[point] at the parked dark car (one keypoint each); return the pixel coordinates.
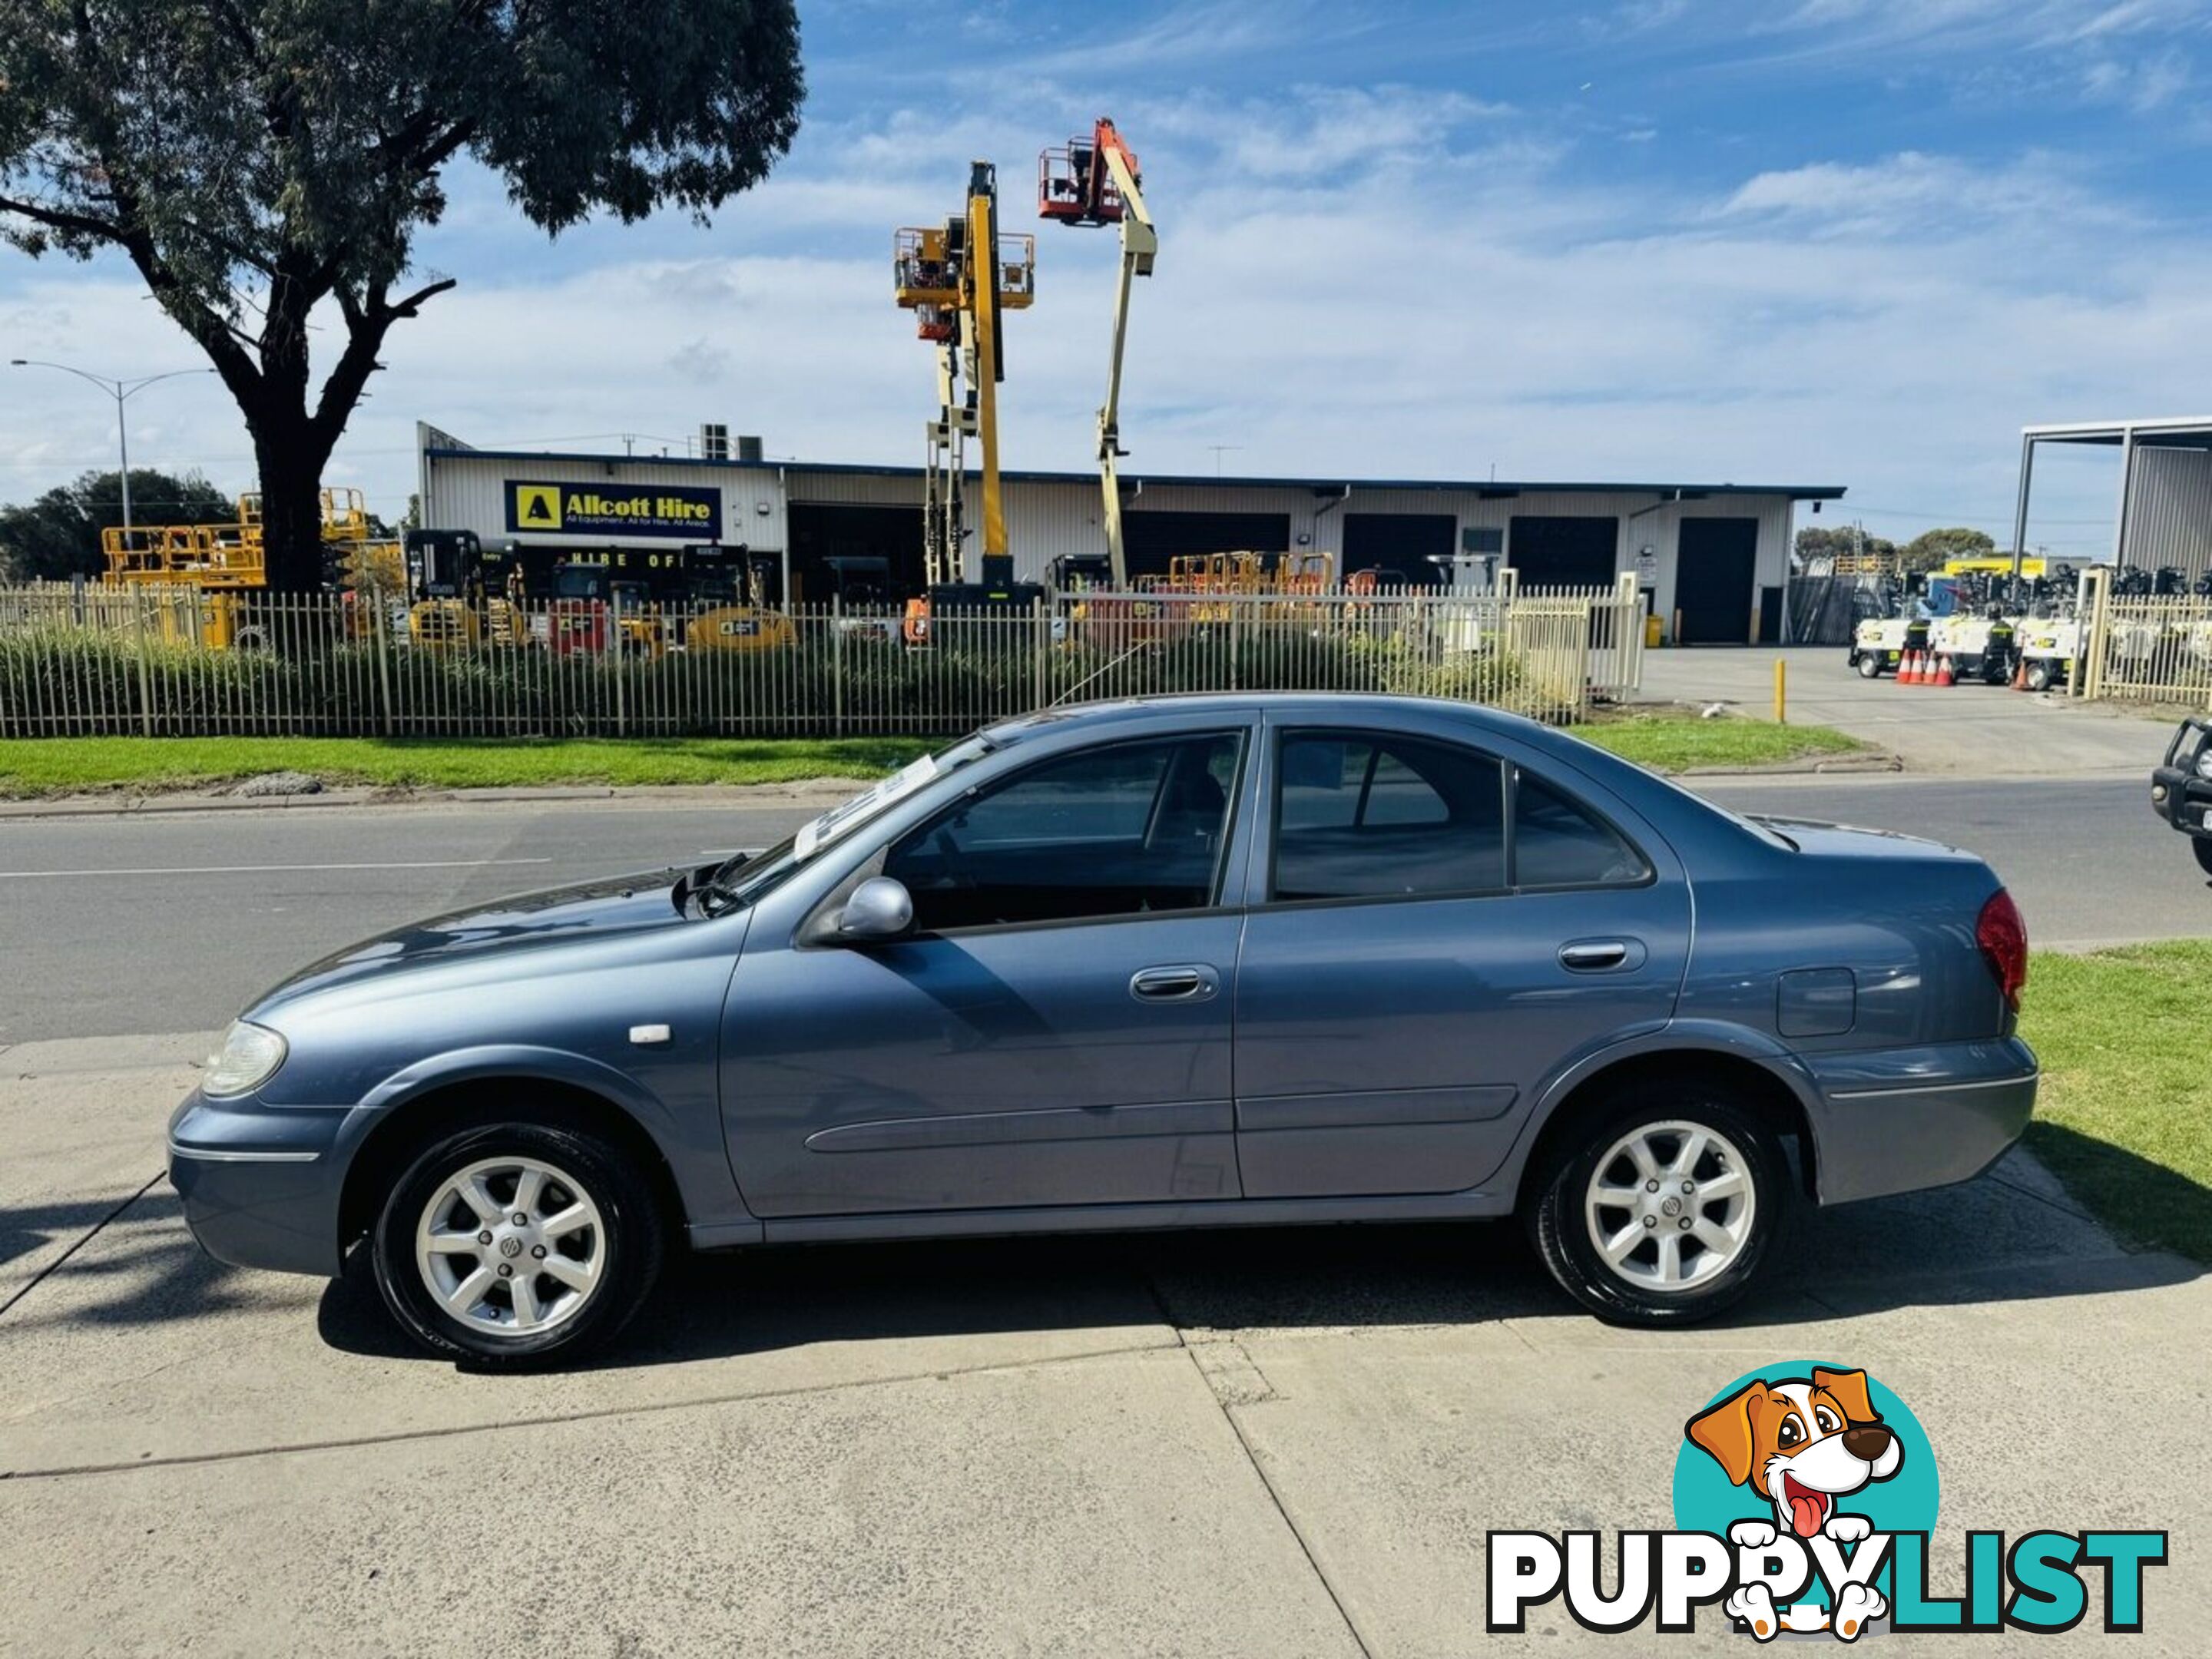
(2181, 786)
(1201, 960)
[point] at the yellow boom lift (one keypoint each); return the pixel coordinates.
(959, 278)
(1095, 181)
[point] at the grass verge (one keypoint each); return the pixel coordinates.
(62, 766)
(2124, 1115)
(1667, 740)
(1678, 740)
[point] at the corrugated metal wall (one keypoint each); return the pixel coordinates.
(1047, 517)
(2170, 510)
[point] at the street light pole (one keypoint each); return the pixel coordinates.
(120, 390)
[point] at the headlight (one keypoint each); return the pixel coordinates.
(2204, 762)
(249, 1057)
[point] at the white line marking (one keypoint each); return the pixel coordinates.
(265, 869)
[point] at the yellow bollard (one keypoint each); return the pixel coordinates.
(1781, 692)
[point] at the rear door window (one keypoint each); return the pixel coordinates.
(1558, 842)
(1361, 816)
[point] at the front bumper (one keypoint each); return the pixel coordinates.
(1903, 1120)
(2183, 799)
(2178, 793)
(260, 1185)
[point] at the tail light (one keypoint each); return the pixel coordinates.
(2002, 937)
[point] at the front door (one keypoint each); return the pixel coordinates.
(1417, 971)
(1056, 1031)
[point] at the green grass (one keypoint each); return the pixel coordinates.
(1677, 740)
(61, 766)
(1667, 740)
(2124, 1115)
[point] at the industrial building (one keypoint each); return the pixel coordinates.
(1714, 559)
(2165, 488)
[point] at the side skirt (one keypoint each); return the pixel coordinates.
(1107, 1218)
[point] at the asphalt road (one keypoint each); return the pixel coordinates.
(172, 922)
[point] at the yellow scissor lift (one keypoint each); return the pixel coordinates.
(201, 571)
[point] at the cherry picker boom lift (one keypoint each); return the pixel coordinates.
(1096, 182)
(959, 279)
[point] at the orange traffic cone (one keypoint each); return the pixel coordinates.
(1943, 674)
(1908, 669)
(2020, 673)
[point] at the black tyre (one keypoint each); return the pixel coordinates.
(2041, 673)
(1665, 1207)
(517, 1245)
(2202, 846)
(1869, 665)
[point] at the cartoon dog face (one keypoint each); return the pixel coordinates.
(1802, 1443)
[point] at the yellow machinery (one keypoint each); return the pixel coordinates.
(218, 562)
(739, 627)
(1096, 182)
(458, 595)
(957, 296)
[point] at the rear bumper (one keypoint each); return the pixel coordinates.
(1901, 1120)
(260, 1186)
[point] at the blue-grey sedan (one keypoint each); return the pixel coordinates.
(1194, 962)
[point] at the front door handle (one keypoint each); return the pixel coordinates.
(1183, 982)
(1594, 956)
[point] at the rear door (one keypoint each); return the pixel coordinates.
(1436, 929)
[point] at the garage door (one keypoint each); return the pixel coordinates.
(1406, 546)
(1563, 551)
(834, 530)
(1713, 600)
(1150, 539)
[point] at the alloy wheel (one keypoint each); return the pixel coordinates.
(1670, 1205)
(511, 1246)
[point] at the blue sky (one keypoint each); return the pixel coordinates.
(1851, 242)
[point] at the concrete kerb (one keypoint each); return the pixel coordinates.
(826, 792)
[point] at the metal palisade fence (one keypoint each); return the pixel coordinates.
(166, 659)
(2142, 649)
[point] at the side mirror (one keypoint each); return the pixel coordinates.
(880, 909)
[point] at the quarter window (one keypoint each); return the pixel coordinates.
(1137, 827)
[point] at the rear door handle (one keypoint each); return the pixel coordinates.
(1183, 982)
(1595, 956)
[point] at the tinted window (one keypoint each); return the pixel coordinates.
(1556, 844)
(1371, 818)
(1107, 832)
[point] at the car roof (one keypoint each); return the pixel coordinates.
(1331, 706)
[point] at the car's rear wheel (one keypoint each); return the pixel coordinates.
(2039, 674)
(517, 1244)
(1665, 1208)
(1869, 665)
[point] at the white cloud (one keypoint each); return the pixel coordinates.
(1443, 293)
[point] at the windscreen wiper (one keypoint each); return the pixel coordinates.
(711, 882)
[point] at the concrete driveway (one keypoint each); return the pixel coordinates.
(1977, 731)
(1272, 1443)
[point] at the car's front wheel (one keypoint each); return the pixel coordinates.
(2202, 846)
(1665, 1208)
(517, 1244)
(1870, 665)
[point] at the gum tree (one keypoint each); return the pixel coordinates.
(263, 165)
